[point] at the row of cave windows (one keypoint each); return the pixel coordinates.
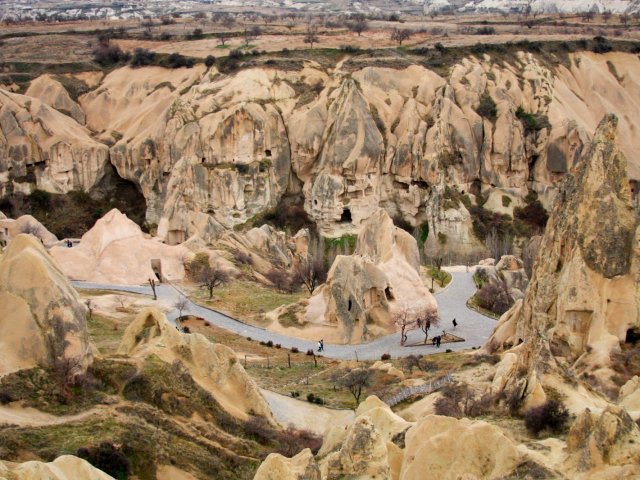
(267, 153)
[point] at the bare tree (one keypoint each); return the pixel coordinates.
(499, 244)
(222, 38)
(406, 319)
(152, 283)
(280, 279)
(400, 35)
(606, 16)
(429, 319)
(212, 277)
(89, 305)
(182, 305)
(311, 35)
(251, 34)
(358, 26)
(311, 271)
(356, 381)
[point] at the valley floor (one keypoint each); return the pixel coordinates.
(472, 326)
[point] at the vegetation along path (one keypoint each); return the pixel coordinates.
(472, 326)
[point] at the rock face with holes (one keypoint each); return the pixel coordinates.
(211, 151)
(213, 366)
(366, 291)
(42, 318)
(40, 146)
(584, 295)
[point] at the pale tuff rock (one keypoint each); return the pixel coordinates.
(42, 318)
(210, 151)
(509, 272)
(364, 291)
(301, 467)
(116, 250)
(449, 448)
(9, 228)
(41, 146)
(52, 93)
(363, 454)
(584, 293)
(66, 467)
(213, 366)
(604, 441)
(629, 395)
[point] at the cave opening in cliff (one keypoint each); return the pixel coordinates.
(346, 216)
(633, 336)
(388, 293)
(267, 153)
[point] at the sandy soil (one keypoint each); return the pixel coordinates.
(304, 415)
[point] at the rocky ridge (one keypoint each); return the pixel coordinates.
(210, 151)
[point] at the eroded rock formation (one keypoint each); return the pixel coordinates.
(42, 318)
(210, 151)
(66, 467)
(584, 295)
(366, 291)
(214, 367)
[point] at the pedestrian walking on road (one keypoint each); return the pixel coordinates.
(321, 345)
(455, 324)
(434, 340)
(438, 340)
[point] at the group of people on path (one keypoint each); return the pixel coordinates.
(321, 345)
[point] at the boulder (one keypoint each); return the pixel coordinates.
(213, 366)
(66, 467)
(363, 454)
(42, 318)
(9, 228)
(277, 467)
(608, 439)
(449, 448)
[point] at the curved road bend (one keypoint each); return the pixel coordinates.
(472, 326)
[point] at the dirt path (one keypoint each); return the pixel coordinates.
(472, 326)
(304, 415)
(30, 417)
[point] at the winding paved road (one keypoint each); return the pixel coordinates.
(472, 326)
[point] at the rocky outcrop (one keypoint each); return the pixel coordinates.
(213, 366)
(51, 92)
(42, 318)
(608, 441)
(449, 448)
(364, 292)
(42, 147)
(300, 467)
(508, 275)
(9, 228)
(584, 294)
(381, 445)
(66, 467)
(116, 251)
(210, 151)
